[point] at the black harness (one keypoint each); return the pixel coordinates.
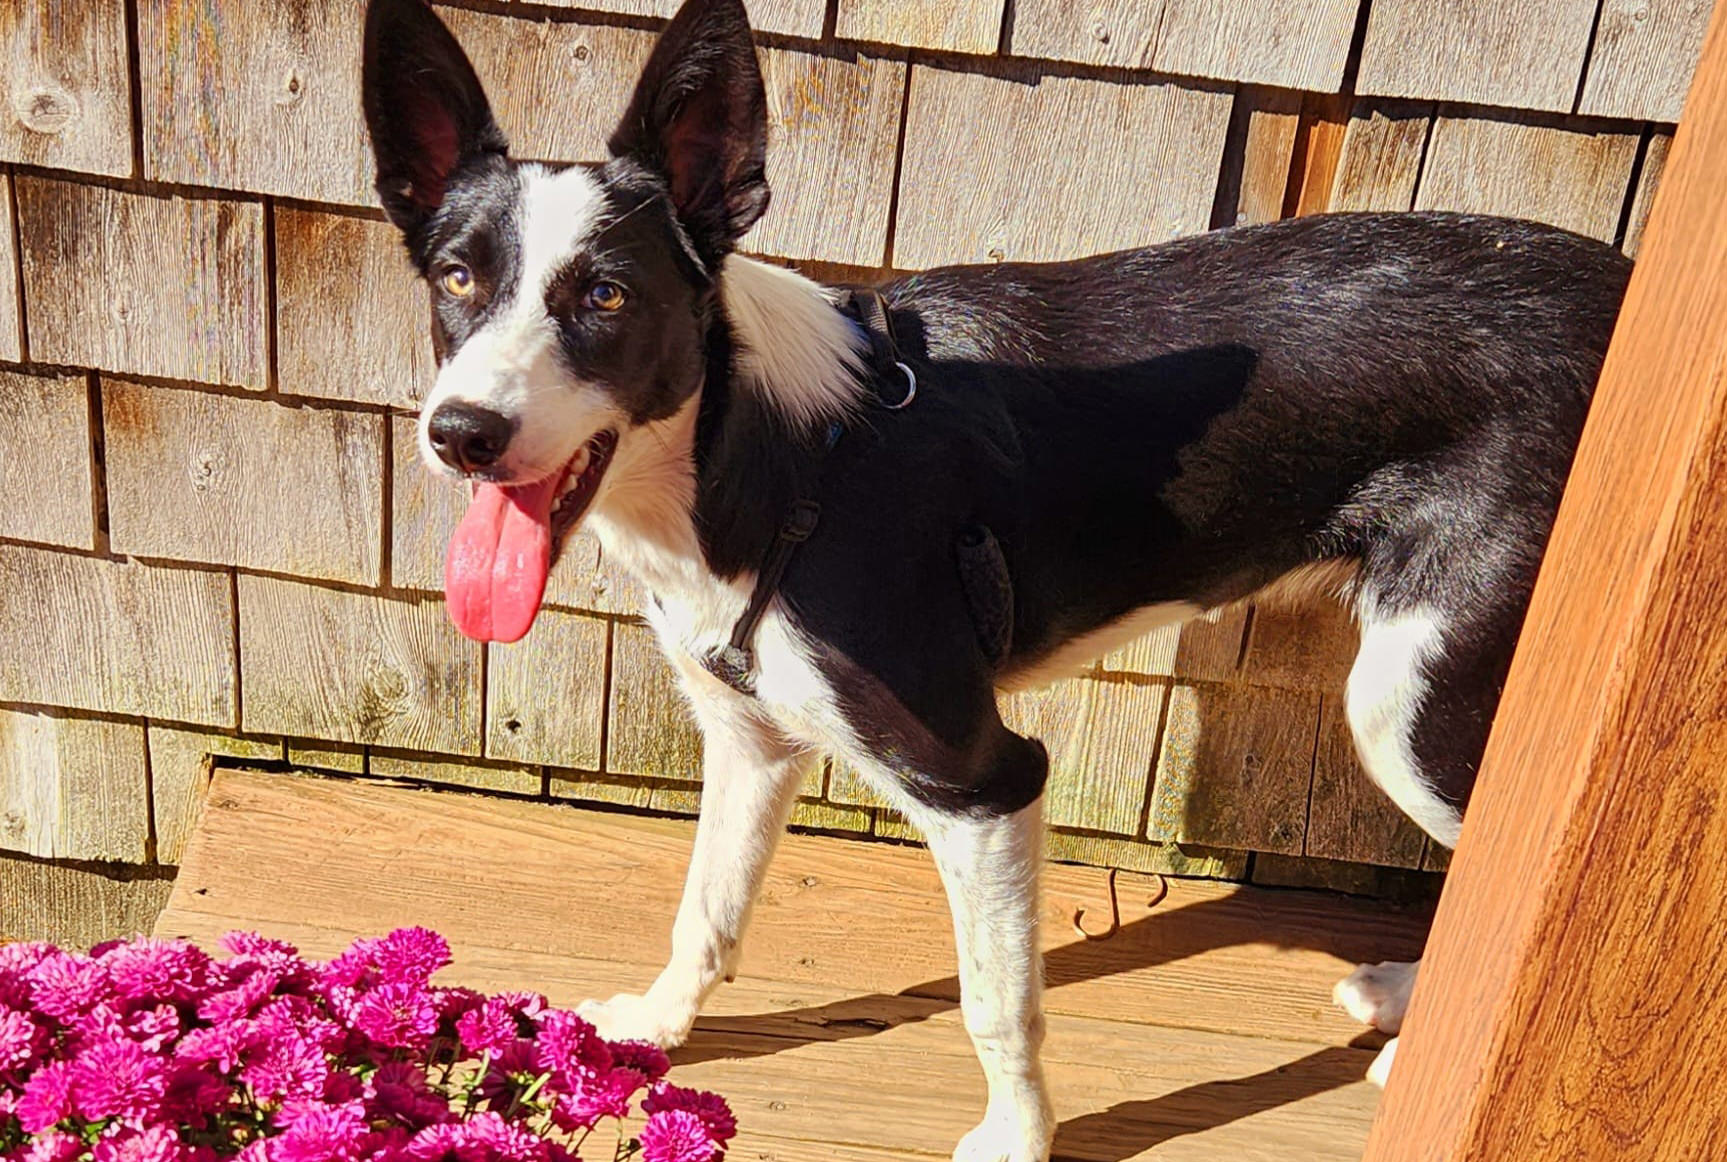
(735, 662)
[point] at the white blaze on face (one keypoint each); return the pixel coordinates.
(511, 365)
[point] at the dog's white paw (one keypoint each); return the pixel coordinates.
(1007, 1135)
(629, 1017)
(1377, 994)
(1381, 1067)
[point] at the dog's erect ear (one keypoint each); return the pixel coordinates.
(699, 118)
(425, 110)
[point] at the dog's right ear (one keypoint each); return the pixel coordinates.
(425, 109)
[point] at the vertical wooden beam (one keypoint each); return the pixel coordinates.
(1570, 1003)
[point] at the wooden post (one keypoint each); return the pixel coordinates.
(1573, 1004)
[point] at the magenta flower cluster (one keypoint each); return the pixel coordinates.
(153, 1051)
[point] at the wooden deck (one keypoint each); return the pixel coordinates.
(1202, 1030)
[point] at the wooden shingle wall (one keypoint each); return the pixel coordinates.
(215, 538)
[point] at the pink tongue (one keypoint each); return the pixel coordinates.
(495, 573)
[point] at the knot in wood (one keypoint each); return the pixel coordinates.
(293, 89)
(1100, 32)
(582, 52)
(45, 108)
(203, 471)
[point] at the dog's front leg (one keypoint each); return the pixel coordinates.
(990, 867)
(750, 777)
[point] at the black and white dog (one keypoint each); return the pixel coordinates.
(1385, 404)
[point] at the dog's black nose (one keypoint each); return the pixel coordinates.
(469, 438)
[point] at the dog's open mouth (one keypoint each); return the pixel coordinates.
(499, 558)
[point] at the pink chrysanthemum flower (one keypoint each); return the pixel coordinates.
(241, 1000)
(398, 1092)
(218, 1045)
(569, 1048)
(503, 1139)
(711, 1108)
(314, 1132)
(284, 1065)
(596, 1099)
(47, 1097)
(52, 1146)
(21, 1041)
(118, 1079)
(156, 1144)
(411, 954)
(154, 1029)
(25, 955)
(66, 986)
(193, 1095)
(156, 970)
(491, 1028)
(677, 1136)
(398, 1015)
(644, 1057)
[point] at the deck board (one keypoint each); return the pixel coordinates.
(1201, 1030)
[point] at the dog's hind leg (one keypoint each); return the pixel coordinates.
(1420, 701)
(750, 777)
(989, 865)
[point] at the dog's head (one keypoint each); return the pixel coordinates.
(569, 306)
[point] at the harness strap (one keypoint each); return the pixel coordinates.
(735, 662)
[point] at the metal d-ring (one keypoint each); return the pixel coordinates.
(910, 388)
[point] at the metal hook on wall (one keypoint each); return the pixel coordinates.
(1115, 907)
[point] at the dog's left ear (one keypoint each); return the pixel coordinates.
(699, 119)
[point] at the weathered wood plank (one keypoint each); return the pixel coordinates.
(77, 907)
(259, 95)
(347, 757)
(650, 730)
(45, 459)
(1404, 885)
(427, 508)
(1263, 130)
(72, 788)
(1525, 168)
(1348, 818)
(356, 668)
(1154, 858)
(1645, 52)
(588, 787)
(1528, 55)
(1648, 182)
(791, 17)
(231, 481)
(1207, 956)
(1380, 160)
(546, 694)
(1139, 165)
(115, 636)
(180, 765)
(1295, 44)
(515, 778)
(1102, 741)
(557, 88)
(1319, 151)
(351, 315)
(1235, 768)
(11, 321)
(1205, 649)
(1306, 648)
(955, 25)
(144, 285)
(833, 137)
(65, 93)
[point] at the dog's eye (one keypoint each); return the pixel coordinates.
(604, 296)
(458, 281)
